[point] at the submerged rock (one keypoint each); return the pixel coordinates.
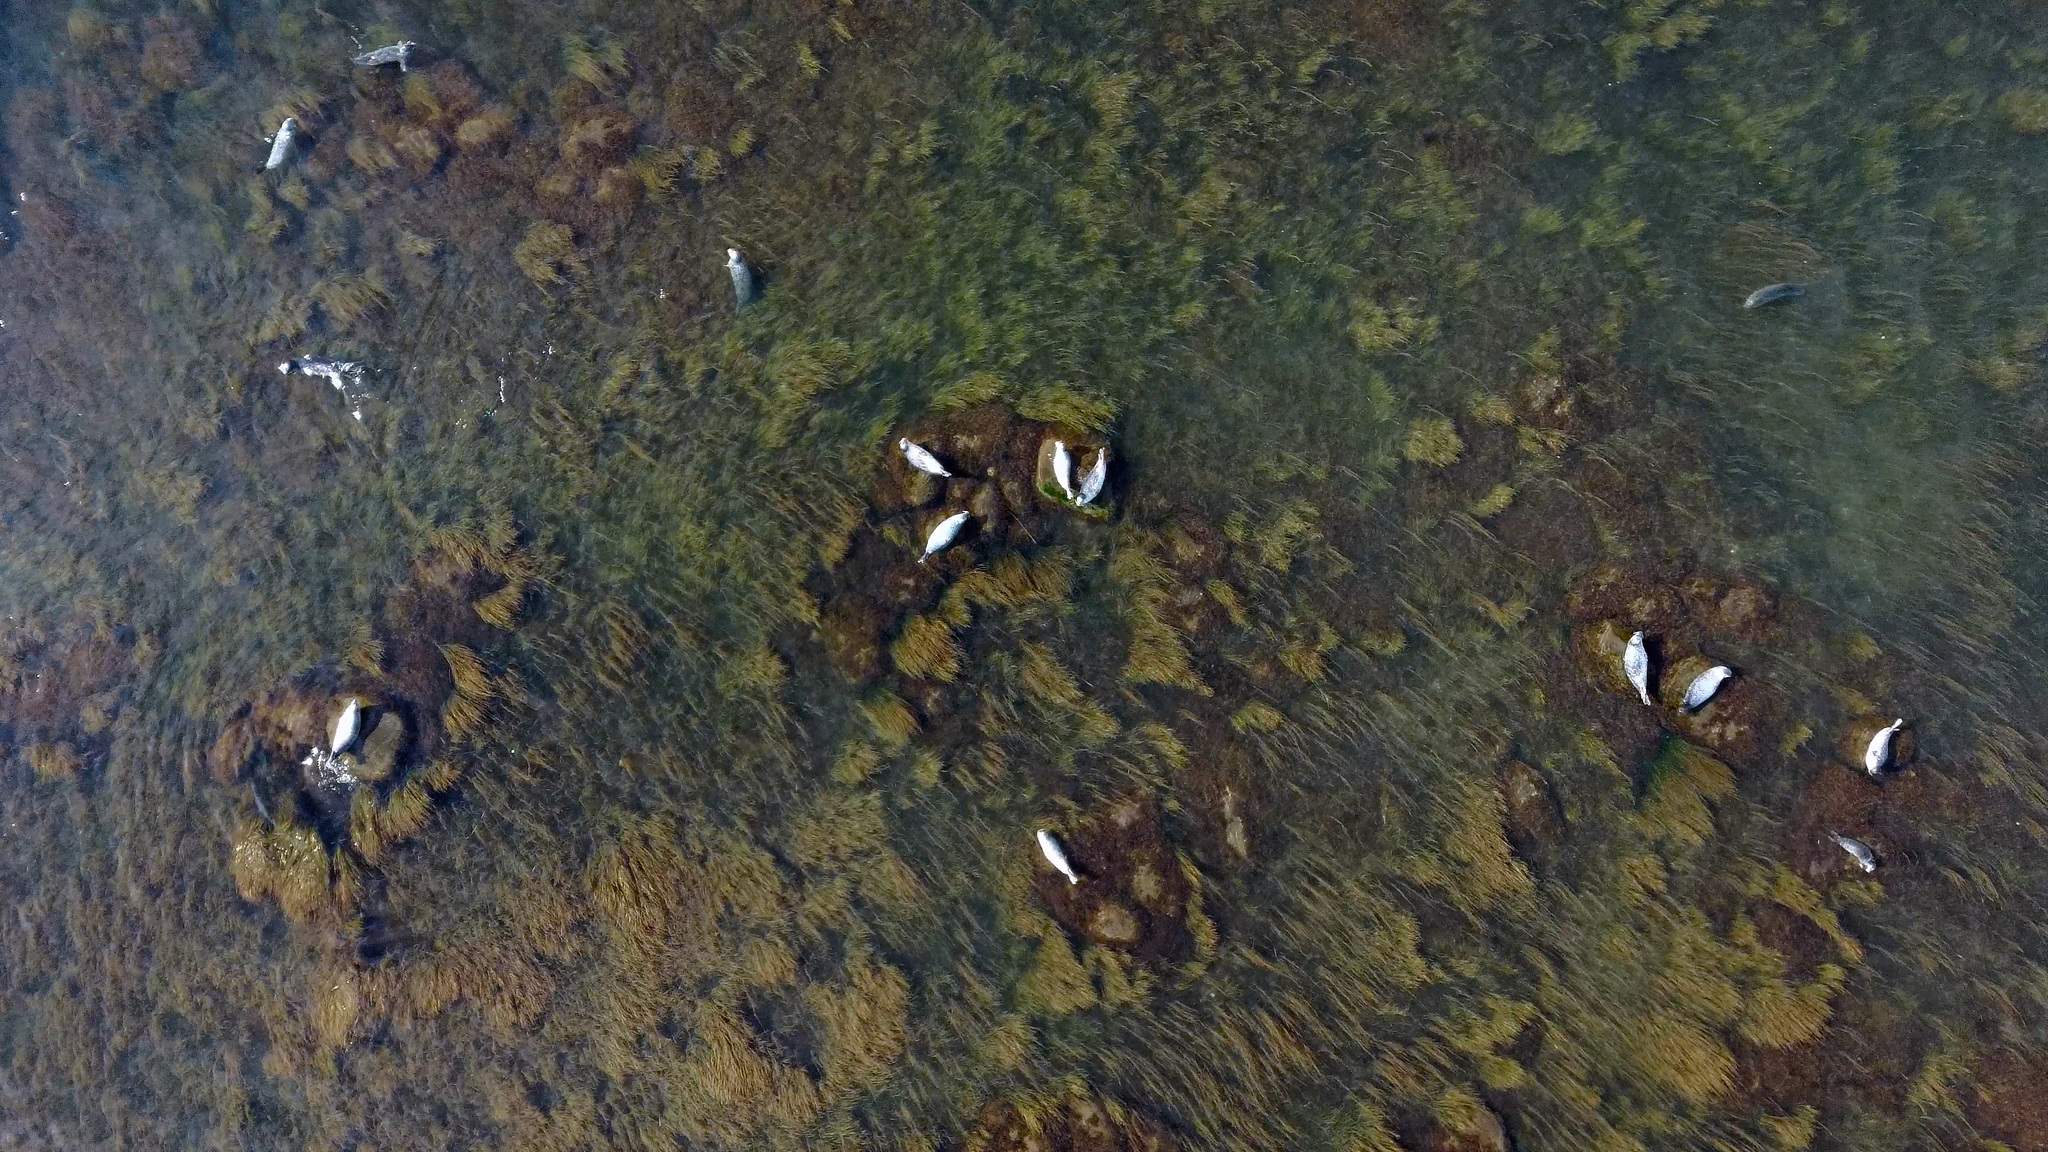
(1234, 833)
(53, 761)
(1078, 1123)
(1135, 895)
(986, 503)
(992, 456)
(1484, 1132)
(922, 489)
(289, 717)
(1114, 925)
(1732, 722)
(1745, 607)
(851, 629)
(380, 750)
(231, 749)
(2006, 1097)
(1610, 591)
(1530, 807)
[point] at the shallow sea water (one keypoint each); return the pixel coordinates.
(691, 811)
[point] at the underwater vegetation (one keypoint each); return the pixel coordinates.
(691, 810)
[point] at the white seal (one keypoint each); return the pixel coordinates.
(1704, 686)
(1635, 664)
(1056, 856)
(1091, 485)
(920, 459)
(399, 54)
(281, 144)
(1865, 858)
(742, 277)
(345, 726)
(1879, 753)
(943, 534)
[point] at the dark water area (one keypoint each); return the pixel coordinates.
(466, 682)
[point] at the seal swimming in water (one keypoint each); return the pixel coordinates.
(282, 144)
(743, 288)
(399, 54)
(1773, 294)
(330, 770)
(345, 726)
(340, 373)
(1866, 859)
(335, 372)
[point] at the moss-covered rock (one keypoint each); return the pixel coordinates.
(380, 749)
(1081, 452)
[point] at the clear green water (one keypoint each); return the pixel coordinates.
(705, 816)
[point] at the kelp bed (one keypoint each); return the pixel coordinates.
(694, 813)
